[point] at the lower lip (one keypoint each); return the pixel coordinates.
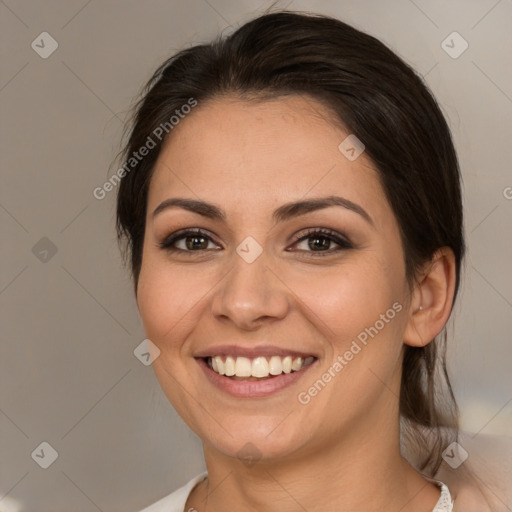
(253, 388)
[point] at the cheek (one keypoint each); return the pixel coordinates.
(347, 299)
(161, 299)
(169, 298)
(166, 305)
(359, 312)
(151, 301)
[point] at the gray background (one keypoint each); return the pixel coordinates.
(68, 374)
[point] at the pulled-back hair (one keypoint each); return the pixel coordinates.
(375, 95)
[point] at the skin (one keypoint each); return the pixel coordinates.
(339, 451)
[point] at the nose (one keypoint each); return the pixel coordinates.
(250, 294)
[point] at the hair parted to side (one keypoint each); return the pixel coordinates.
(376, 96)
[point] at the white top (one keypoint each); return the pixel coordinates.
(176, 501)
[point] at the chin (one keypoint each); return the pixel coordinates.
(254, 438)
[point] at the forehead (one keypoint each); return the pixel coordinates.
(263, 153)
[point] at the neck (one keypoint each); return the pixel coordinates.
(363, 471)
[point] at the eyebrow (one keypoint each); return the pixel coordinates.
(281, 214)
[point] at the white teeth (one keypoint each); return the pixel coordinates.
(243, 367)
(275, 365)
(260, 367)
(219, 364)
(297, 364)
(229, 366)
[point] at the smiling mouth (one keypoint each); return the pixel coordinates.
(258, 368)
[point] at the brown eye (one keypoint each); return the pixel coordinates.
(195, 242)
(319, 241)
(186, 241)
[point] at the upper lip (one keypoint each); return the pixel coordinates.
(251, 352)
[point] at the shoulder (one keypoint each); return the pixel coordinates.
(483, 481)
(176, 501)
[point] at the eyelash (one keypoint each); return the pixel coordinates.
(342, 242)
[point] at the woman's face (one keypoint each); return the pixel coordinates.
(259, 283)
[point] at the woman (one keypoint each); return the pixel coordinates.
(292, 210)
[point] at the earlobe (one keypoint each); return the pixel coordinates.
(432, 299)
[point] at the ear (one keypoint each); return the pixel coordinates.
(432, 299)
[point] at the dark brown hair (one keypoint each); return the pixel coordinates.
(376, 96)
